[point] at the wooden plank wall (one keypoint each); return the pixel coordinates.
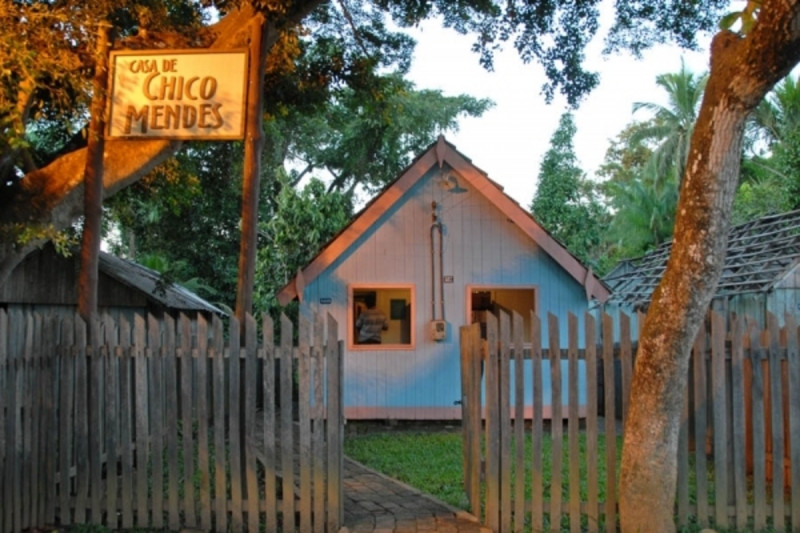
(165, 423)
(736, 467)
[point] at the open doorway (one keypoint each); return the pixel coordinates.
(484, 300)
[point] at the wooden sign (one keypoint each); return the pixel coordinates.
(177, 94)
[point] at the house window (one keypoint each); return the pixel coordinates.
(381, 315)
(485, 300)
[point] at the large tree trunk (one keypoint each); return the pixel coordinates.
(742, 72)
(53, 196)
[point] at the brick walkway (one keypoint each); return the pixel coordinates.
(376, 503)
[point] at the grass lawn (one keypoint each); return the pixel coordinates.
(427, 460)
(430, 460)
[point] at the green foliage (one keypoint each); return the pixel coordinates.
(365, 140)
(670, 127)
(770, 180)
(187, 214)
(48, 53)
(746, 18)
(23, 234)
(645, 165)
(644, 215)
(303, 220)
(565, 202)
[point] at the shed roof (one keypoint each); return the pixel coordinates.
(760, 254)
(151, 283)
(439, 153)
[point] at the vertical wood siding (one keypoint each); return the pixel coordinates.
(481, 246)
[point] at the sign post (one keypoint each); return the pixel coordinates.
(93, 184)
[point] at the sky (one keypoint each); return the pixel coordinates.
(509, 141)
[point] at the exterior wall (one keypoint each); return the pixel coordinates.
(480, 247)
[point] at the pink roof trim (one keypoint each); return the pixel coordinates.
(444, 152)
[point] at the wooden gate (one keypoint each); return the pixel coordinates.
(169, 424)
(736, 464)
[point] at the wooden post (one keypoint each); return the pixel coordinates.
(93, 181)
(254, 140)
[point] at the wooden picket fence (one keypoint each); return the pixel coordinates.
(737, 467)
(164, 423)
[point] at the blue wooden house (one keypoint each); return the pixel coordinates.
(438, 248)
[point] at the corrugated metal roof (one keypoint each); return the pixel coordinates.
(760, 253)
(151, 283)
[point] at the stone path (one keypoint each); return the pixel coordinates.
(376, 503)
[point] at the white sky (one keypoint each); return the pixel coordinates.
(509, 141)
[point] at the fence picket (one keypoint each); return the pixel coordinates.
(573, 426)
(65, 428)
(82, 425)
(5, 454)
(112, 415)
(334, 354)
(202, 406)
(793, 363)
(171, 436)
(304, 421)
(776, 395)
(250, 396)
(286, 426)
(220, 480)
(519, 423)
(504, 397)
(141, 395)
(492, 442)
(758, 432)
(29, 415)
(719, 402)
(186, 409)
(556, 421)
(270, 485)
(610, 422)
(156, 356)
(537, 423)
(126, 439)
(318, 427)
(625, 361)
(234, 426)
(592, 489)
(49, 392)
(700, 408)
(739, 423)
(682, 487)
(471, 412)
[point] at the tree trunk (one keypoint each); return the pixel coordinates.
(742, 72)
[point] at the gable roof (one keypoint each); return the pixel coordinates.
(439, 153)
(760, 254)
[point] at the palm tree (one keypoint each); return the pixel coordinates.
(670, 127)
(773, 137)
(645, 213)
(779, 113)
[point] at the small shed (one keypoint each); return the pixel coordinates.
(440, 247)
(47, 282)
(761, 273)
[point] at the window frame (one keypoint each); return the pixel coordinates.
(353, 288)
